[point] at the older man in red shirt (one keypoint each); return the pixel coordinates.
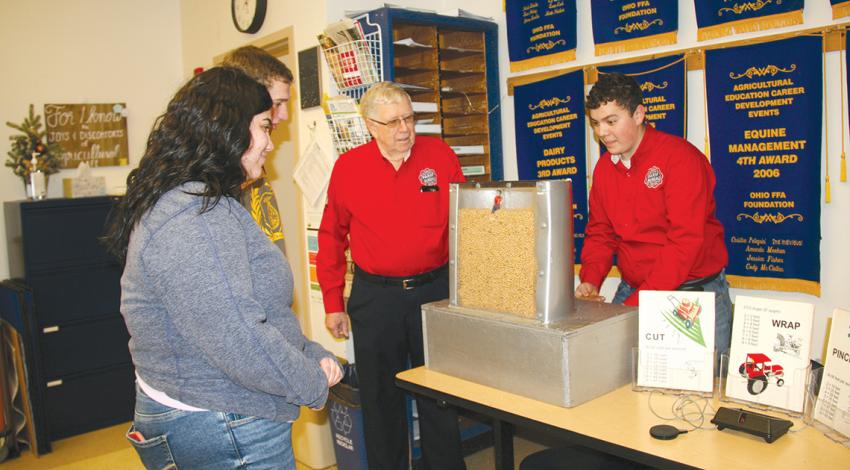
(388, 200)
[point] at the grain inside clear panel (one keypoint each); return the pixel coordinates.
(497, 265)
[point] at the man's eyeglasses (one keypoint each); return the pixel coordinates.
(396, 123)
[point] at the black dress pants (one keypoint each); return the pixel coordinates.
(386, 321)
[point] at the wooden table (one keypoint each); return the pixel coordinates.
(618, 423)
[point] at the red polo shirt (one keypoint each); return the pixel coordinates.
(395, 227)
(658, 217)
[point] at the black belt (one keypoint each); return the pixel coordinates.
(696, 284)
(406, 282)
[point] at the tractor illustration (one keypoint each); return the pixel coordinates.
(685, 309)
(758, 369)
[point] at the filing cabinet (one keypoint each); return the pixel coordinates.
(81, 377)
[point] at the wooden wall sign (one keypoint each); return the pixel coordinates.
(95, 133)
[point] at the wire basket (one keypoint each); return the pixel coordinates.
(355, 64)
(348, 132)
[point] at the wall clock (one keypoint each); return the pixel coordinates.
(248, 15)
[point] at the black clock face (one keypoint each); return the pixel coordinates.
(248, 15)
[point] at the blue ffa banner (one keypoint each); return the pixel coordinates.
(765, 106)
(540, 32)
(664, 83)
(717, 18)
(840, 8)
(550, 138)
(621, 26)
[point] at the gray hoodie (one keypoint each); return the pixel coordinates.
(206, 298)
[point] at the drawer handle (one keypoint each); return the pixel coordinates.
(50, 329)
(54, 383)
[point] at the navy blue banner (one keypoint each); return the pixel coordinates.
(716, 18)
(540, 32)
(621, 26)
(550, 138)
(664, 83)
(765, 104)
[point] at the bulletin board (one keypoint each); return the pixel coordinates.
(308, 78)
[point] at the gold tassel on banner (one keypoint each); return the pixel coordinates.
(543, 61)
(843, 162)
(773, 283)
(707, 150)
(840, 10)
(616, 47)
(750, 25)
(827, 189)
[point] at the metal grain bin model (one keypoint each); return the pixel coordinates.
(512, 321)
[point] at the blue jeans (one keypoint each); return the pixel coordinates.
(175, 439)
(722, 310)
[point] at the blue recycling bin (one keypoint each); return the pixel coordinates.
(346, 417)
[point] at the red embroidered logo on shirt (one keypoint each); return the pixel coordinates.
(428, 177)
(653, 178)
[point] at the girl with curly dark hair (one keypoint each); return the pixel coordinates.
(221, 364)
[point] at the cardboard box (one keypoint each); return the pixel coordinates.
(84, 186)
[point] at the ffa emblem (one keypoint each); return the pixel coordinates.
(653, 178)
(428, 177)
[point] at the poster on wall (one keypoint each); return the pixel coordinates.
(676, 340)
(768, 160)
(664, 83)
(628, 26)
(833, 405)
(95, 133)
(718, 18)
(769, 358)
(550, 138)
(540, 33)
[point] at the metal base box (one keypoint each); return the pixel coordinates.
(565, 363)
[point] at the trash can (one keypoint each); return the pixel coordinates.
(346, 417)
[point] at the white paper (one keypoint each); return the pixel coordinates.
(769, 358)
(464, 14)
(312, 173)
(468, 149)
(461, 49)
(342, 105)
(424, 107)
(473, 170)
(833, 405)
(676, 340)
(411, 43)
(428, 128)
(411, 87)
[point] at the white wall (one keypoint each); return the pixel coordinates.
(87, 51)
